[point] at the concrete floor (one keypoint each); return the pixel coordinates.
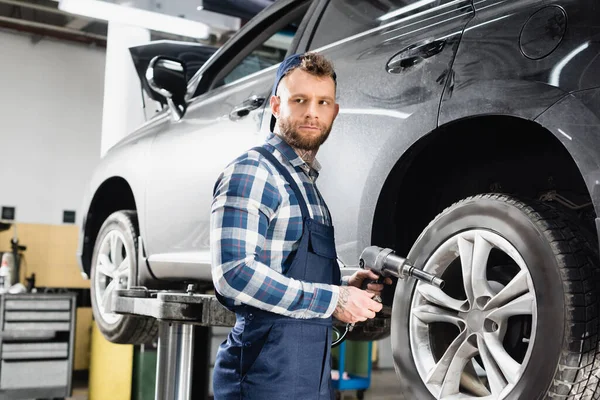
(384, 386)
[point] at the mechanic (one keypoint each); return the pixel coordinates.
(273, 250)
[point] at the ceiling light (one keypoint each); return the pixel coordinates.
(133, 16)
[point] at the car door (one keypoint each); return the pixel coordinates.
(393, 59)
(221, 122)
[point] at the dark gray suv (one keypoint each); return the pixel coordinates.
(468, 139)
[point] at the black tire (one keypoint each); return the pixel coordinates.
(125, 329)
(563, 266)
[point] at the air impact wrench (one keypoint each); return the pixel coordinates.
(385, 263)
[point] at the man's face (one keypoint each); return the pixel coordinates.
(305, 109)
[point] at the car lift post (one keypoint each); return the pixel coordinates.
(183, 362)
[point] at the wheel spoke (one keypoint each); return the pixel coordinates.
(516, 287)
(437, 296)
(438, 373)
(105, 267)
(522, 305)
(465, 249)
(430, 313)
(509, 367)
(107, 295)
(464, 353)
(115, 249)
(481, 252)
(123, 270)
(494, 375)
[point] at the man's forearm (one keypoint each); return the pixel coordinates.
(255, 284)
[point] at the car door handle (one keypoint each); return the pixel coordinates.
(251, 103)
(413, 55)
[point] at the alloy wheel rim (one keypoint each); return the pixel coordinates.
(492, 309)
(113, 267)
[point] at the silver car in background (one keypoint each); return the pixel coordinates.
(467, 139)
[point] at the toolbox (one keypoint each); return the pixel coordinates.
(36, 345)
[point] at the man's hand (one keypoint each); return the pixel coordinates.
(359, 276)
(355, 305)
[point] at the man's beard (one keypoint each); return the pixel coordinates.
(296, 139)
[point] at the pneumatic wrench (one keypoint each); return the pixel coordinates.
(385, 263)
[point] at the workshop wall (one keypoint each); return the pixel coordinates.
(50, 254)
(51, 124)
(51, 116)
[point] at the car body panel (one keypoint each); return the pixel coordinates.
(182, 249)
(386, 106)
(493, 76)
(381, 116)
(575, 120)
(127, 159)
(205, 141)
(179, 199)
(117, 162)
(500, 28)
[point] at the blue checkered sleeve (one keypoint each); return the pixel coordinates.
(245, 201)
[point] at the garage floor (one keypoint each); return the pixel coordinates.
(383, 387)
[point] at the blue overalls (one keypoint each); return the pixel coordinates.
(269, 356)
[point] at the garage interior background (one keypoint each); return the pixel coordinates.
(77, 94)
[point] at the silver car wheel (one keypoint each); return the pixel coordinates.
(474, 361)
(112, 272)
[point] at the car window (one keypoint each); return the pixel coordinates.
(270, 52)
(344, 18)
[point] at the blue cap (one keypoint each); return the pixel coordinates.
(290, 62)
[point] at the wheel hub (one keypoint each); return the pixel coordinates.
(475, 320)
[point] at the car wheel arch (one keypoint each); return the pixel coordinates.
(113, 194)
(407, 179)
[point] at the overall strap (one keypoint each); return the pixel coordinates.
(288, 177)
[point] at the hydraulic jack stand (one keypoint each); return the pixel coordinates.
(178, 314)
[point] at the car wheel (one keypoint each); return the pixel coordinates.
(518, 315)
(114, 267)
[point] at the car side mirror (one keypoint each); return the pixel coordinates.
(167, 77)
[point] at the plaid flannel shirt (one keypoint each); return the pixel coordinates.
(256, 226)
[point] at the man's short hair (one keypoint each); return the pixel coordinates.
(315, 64)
